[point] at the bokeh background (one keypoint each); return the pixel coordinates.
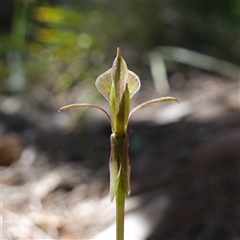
(184, 157)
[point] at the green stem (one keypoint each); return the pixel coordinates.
(120, 203)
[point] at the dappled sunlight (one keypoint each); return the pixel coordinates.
(184, 157)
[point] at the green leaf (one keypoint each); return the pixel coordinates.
(119, 164)
(125, 166)
(114, 166)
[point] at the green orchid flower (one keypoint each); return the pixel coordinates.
(118, 85)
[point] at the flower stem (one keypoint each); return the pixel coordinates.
(120, 203)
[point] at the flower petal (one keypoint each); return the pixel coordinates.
(104, 83)
(133, 82)
(155, 100)
(77, 105)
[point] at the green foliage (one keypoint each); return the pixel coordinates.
(60, 45)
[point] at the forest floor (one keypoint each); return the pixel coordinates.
(184, 168)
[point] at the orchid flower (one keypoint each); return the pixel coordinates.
(118, 85)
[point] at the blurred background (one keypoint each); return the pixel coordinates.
(184, 157)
